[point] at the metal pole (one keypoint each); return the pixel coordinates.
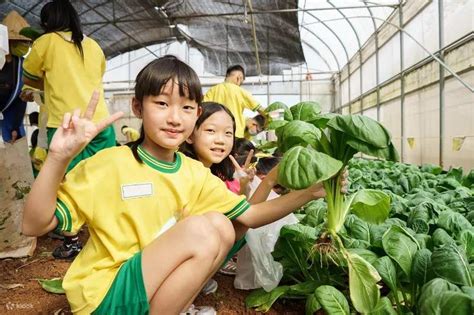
(441, 80)
(377, 75)
(349, 85)
(268, 67)
(402, 84)
(361, 86)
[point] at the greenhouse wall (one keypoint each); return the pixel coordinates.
(412, 112)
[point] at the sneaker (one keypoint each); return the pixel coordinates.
(210, 287)
(199, 310)
(229, 269)
(67, 251)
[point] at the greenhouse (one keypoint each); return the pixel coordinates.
(334, 142)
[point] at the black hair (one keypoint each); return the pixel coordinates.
(260, 119)
(34, 138)
(33, 118)
(153, 78)
(60, 15)
(225, 169)
(235, 68)
(124, 126)
(265, 164)
(242, 148)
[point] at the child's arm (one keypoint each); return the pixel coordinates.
(70, 138)
(269, 211)
(265, 187)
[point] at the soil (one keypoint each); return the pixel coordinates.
(30, 298)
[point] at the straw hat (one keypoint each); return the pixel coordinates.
(15, 22)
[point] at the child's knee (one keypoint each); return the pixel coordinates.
(205, 236)
(224, 227)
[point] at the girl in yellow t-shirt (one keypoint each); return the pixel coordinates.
(158, 220)
(68, 66)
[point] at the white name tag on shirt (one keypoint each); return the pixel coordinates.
(131, 191)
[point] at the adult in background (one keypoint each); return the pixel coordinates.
(236, 99)
(11, 105)
(68, 66)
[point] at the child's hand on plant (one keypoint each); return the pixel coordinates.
(78, 130)
(317, 190)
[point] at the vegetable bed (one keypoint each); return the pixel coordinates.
(400, 242)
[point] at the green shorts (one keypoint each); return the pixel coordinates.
(105, 139)
(127, 295)
(237, 246)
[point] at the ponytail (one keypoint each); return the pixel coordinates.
(60, 15)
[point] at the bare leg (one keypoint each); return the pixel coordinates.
(178, 263)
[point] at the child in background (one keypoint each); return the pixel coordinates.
(146, 205)
(68, 66)
(254, 126)
(130, 133)
(212, 143)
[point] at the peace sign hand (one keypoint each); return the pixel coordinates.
(244, 173)
(77, 131)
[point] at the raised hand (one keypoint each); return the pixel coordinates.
(78, 130)
(244, 172)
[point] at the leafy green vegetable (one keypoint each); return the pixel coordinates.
(450, 262)
(302, 167)
(54, 285)
(332, 300)
(400, 246)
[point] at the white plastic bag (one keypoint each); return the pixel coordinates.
(256, 267)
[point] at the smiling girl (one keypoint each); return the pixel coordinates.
(159, 221)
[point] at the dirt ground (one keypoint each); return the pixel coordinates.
(29, 298)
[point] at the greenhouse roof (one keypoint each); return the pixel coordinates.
(322, 34)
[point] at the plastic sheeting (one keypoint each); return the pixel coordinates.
(224, 35)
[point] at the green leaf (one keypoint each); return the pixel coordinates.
(302, 167)
(421, 268)
(384, 307)
(469, 291)
(366, 254)
(274, 124)
(450, 262)
(274, 106)
(387, 271)
(357, 228)
(371, 205)
(400, 246)
(455, 303)
(332, 300)
(441, 237)
(362, 128)
(268, 145)
(431, 293)
(262, 300)
(297, 133)
(363, 278)
(302, 289)
(322, 120)
(466, 238)
(54, 285)
(453, 222)
(312, 304)
(305, 111)
(388, 153)
(287, 115)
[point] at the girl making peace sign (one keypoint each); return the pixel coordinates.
(159, 221)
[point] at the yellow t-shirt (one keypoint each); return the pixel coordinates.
(126, 205)
(236, 99)
(68, 79)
